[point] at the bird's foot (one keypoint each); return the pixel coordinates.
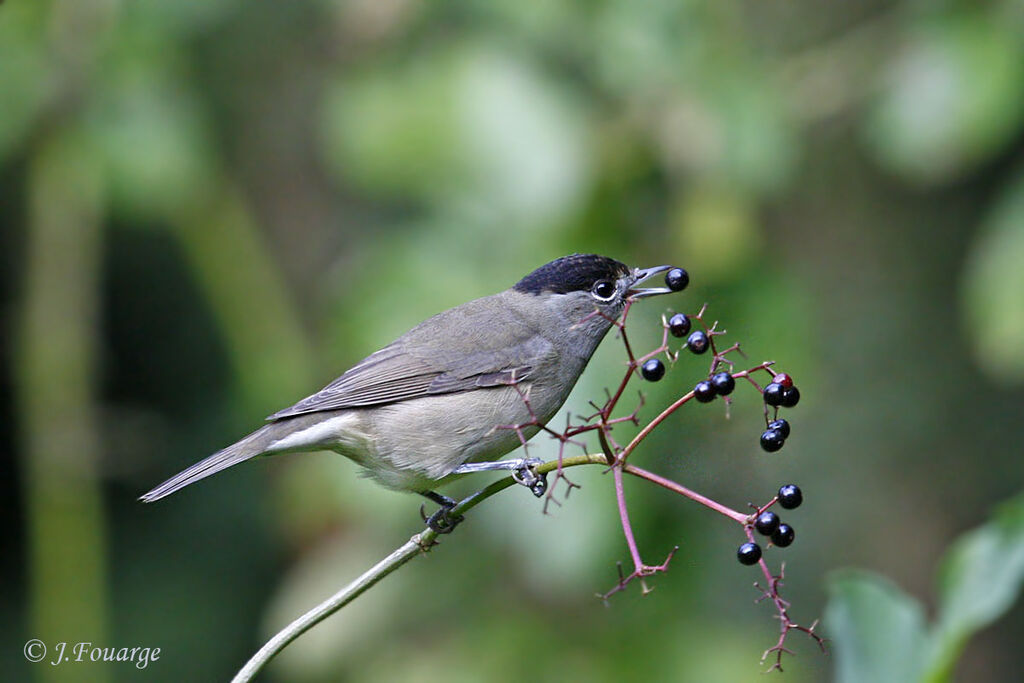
(524, 471)
(527, 475)
(442, 521)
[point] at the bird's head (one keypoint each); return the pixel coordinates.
(589, 290)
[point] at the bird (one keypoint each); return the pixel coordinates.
(443, 399)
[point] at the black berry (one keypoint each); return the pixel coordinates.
(772, 440)
(653, 370)
(790, 496)
(748, 553)
(782, 378)
(773, 394)
(677, 279)
(698, 342)
(723, 383)
(704, 391)
(783, 536)
(790, 397)
(679, 325)
(781, 425)
(767, 522)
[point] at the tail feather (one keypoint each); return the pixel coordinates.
(243, 450)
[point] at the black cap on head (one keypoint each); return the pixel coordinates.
(577, 272)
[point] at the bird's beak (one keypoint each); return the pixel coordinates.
(641, 274)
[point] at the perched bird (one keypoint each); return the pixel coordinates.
(438, 401)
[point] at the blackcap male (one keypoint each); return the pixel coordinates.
(438, 401)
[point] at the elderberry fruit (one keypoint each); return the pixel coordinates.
(748, 553)
(698, 342)
(677, 279)
(783, 536)
(790, 397)
(773, 394)
(782, 378)
(723, 383)
(790, 496)
(772, 440)
(781, 425)
(679, 325)
(704, 392)
(653, 370)
(767, 522)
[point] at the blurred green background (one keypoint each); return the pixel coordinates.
(209, 208)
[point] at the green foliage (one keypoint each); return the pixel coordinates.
(877, 630)
(992, 286)
(23, 87)
(451, 128)
(880, 633)
(954, 96)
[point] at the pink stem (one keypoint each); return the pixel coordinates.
(652, 424)
(679, 488)
(627, 528)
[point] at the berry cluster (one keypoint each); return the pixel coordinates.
(768, 523)
(781, 392)
(721, 380)
(653, 369)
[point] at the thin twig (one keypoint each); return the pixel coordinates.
(406, 552)
(692, 495)
(413, 547)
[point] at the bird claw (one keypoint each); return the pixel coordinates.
(442, 521)
(540, 487)
(527, 475)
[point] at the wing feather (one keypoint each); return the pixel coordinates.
(418, 365)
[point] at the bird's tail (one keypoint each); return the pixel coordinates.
(240, 451)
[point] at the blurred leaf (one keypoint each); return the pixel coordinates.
(733, 130)
(641, 49)
(714, 226)
(759, 145)
(980, 580)
(784, 330)
(182, 16)
(151, 131)
(714, 110)
(467, 127)
(992, 286)
(953, 98)
(878, 630)
(392, 130)
(525, 141)
(24, 70)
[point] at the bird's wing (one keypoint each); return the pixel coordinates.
(410, 369)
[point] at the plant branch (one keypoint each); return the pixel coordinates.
(406, 552)
(416, 545)
(627, 529)
(692, 495)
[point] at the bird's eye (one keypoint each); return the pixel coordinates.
(603, 289)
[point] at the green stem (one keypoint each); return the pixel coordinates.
(412, 548)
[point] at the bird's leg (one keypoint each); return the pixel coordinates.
(523, 472)
(442, 521)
